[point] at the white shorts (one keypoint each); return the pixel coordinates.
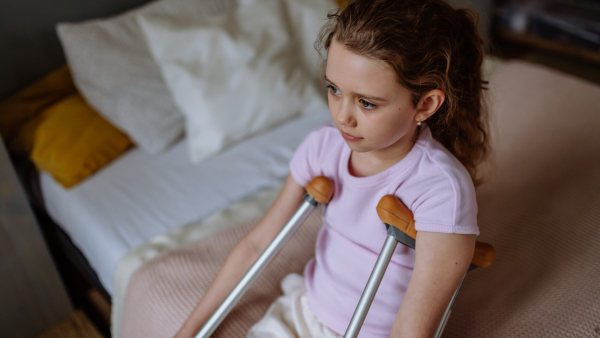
(290, 315)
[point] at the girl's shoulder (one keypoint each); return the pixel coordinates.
(318, 155)
(437, 161)
(440, 192)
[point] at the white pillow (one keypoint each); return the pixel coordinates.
(232, 75)
(114, 71)
(307, 18)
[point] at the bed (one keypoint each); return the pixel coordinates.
(146, 202)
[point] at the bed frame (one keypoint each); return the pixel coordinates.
(76, 273)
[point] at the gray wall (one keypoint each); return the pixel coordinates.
(29, 47)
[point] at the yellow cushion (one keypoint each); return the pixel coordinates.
(72, 141)
(20, 108)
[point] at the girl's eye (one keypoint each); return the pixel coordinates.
(366, 104)
(333, 90)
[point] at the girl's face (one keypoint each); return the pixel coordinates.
(370, 109)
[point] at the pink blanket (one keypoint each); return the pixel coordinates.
(165, 290)
(540, 208)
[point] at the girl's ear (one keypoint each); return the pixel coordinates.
(429, 104)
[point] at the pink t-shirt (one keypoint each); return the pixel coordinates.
(431, 182)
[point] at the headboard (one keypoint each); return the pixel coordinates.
(28, 42)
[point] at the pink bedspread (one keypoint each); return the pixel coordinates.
(165, 290)
(540, 208)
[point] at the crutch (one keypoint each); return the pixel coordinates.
(401, 228)
(317, 191)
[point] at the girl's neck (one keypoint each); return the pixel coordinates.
(364, 164)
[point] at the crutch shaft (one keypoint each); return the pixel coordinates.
(319, 190)
(261, 263)
(400, 224)
(444, 320)
(368, 294)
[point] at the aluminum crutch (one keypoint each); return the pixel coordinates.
(318, 191)
(400, 226)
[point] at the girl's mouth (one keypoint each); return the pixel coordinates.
(349, 137)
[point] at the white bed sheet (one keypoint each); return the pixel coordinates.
(140, 196)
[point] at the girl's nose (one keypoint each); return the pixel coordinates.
(345, 116)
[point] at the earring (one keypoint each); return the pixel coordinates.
(419, 123)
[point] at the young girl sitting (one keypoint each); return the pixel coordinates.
(405, 94)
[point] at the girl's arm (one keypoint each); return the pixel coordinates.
(244, 255)
(440, 264)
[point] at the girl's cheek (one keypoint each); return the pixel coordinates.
(333, 101)
(331, 105)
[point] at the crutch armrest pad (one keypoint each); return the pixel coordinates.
(321, 189)
(484, 255)
(393, 212)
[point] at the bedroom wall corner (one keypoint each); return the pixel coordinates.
(29, 44)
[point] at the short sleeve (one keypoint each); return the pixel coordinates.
(305, 164)
(447, 204)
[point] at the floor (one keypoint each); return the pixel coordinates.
(78, 324)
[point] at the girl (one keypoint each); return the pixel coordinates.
(405, 99)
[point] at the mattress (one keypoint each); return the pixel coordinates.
(140, 196)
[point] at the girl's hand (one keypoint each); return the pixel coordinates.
(441, 262)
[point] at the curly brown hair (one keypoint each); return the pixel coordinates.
(429, 45)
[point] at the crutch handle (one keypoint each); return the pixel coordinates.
(393, 212)
(321, 189)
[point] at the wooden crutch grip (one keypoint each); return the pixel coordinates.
(393, 212)
(321, 189)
